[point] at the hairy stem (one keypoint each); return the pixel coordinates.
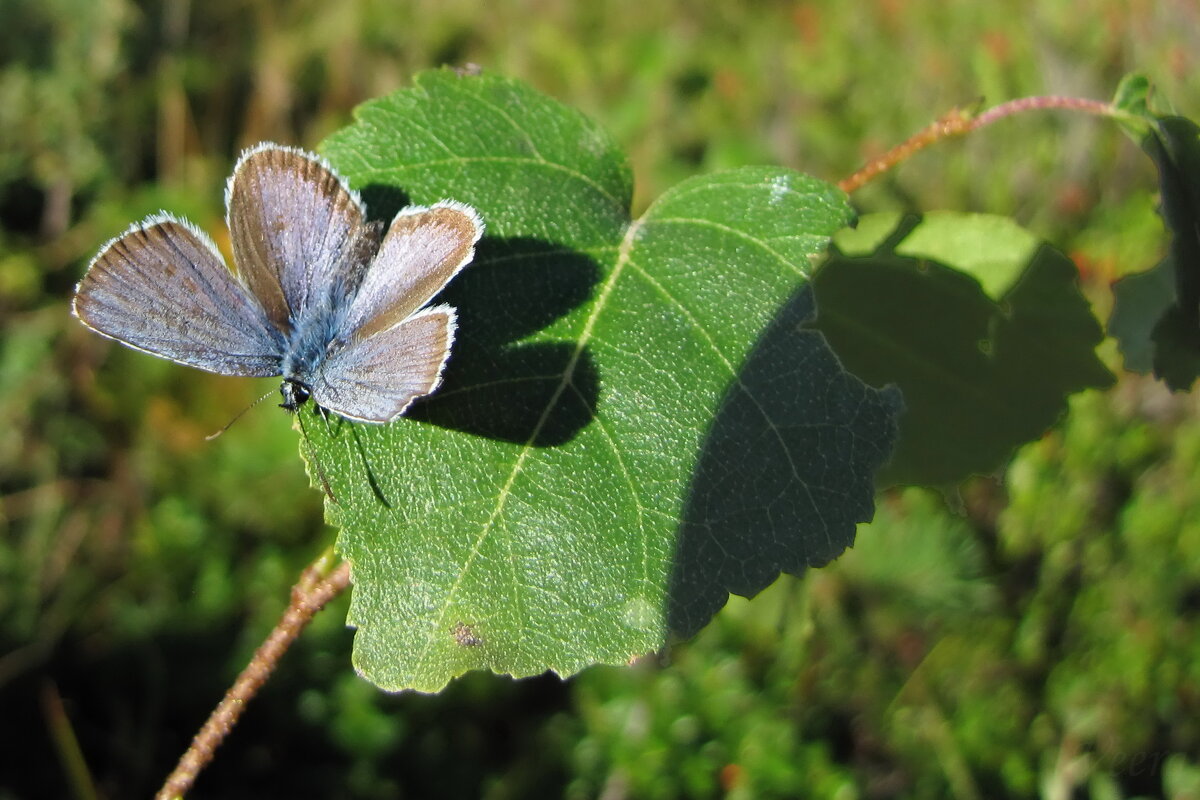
(958, 122)
(318, 585)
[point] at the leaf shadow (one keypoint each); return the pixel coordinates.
(494, 385)
(368, 470)
(785, 472)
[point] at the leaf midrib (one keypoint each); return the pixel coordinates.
(624, 259)
(567, 376)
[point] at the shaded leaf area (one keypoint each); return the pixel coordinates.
(1156, 315)
(778, 485)
(536, 513)
(981, 373)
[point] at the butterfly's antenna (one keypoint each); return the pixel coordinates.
(312, 457)
(238, 416)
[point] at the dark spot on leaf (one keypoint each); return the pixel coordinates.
(464, 635)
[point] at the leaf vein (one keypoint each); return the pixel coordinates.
(567, 375)
(735, 376)
(425, 165)
(730, 231)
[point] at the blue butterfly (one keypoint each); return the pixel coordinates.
(318, 294)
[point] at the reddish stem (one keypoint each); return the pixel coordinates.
(957, 123)
(310, 594)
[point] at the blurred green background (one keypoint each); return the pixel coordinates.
(1032, 634)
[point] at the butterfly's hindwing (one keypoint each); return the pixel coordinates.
(377, 378)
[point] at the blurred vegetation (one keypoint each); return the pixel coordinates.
(1041, 640)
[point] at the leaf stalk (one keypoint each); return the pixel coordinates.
(322, 581)
(958, 122)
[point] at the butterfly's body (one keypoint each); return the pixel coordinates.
(318, 296)
(312, 337)
(310, 340)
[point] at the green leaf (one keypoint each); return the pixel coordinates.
(1175, 148)
(983, 330)
(1172, 319)
(633, 423)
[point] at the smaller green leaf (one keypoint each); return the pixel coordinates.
(868, 234)
(984, 341)
(993, 250)
(1175, 148)
(1131, 105)
(1177, 350)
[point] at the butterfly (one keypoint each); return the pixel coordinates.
(318, 295)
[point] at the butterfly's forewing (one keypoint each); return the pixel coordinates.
(376, 378)
(423, 249)
(298, 231)
(162, 287)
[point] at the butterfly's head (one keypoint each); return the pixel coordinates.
(294, 394)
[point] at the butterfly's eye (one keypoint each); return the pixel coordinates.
(294, 394)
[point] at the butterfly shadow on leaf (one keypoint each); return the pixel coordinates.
(505, 379)
(495, 385)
